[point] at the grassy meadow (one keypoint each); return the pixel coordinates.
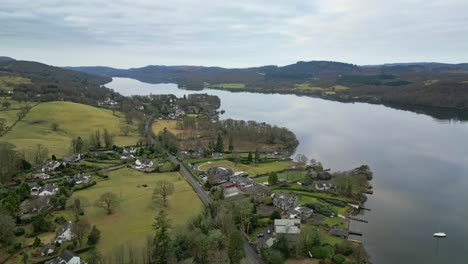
(136, 212)
(252, 170)
(74, 120)
(170, 125)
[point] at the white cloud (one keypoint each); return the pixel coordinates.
(233, 33)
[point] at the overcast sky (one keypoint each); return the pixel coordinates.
(238, 33)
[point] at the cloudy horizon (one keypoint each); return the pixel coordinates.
(125, 33)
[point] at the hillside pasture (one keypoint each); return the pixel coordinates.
(132, 220)
(73, 119)
(8, 83)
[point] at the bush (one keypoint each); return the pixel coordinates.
(321, 209)
(19, 231)
(338, 259)
(275, 215)
(273, 256)
(268, 200)
(323, 252)
(14, 248)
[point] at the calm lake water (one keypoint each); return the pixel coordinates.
(420, 165)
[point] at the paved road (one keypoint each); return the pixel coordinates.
(196, 185)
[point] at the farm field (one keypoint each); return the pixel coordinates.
(10, 116)
(170, 125)
(252, 170)
(136, 212)
(74, 120)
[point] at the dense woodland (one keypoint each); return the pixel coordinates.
(425, 84)
(49, 83)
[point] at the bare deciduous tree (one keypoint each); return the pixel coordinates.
(162, 191)
(109, 201)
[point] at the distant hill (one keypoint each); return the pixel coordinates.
(419, 83)
(49, 83)
(3, 58)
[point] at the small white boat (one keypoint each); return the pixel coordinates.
(440, 235)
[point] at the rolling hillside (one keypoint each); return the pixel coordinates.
(74, 120)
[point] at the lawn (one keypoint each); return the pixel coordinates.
(133, 220)
(230, 85)
(305, 87)
(290, 176)
(252, 170)
(74, 120)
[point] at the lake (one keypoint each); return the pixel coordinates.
(420, 164)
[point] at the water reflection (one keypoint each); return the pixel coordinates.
(420, 164)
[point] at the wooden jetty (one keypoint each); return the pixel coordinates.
(358, 219)
(355, 233)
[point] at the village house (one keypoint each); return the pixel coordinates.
(283, 201)
(290, 228)
(322, 186)
(46, 190)
(35, 204)
(82, 178)
(230, 191)
(64, 233)
(50, 165)
(127, 156)
(67, 257)
(216, 155)
(218, 175)
(142, 164)
(242, 182)
(42, 176)
(48, 250)
(74, 158)
(300, 212)
(129, 150)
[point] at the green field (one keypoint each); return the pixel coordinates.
(10, 116)
(74, 120)
(230, 85)
(305, 87)
(7, 83)
(252, 170)
(290, 176)
(133, 220)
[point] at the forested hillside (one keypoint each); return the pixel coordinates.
(35, 81)
(419, 84)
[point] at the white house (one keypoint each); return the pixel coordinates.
(323, 186)
(67, 257)
(48, 189)
(143, 164)
(291, 228)
(82, 178)
(42, 176)
(65, 233)
(50, 165)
